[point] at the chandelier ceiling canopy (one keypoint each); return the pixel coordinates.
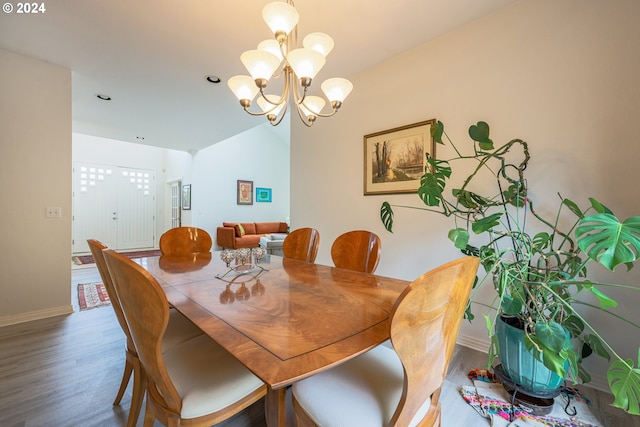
(296, 66)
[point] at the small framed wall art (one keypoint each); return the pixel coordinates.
(245, 192)
(186, 197)
(394, 159)
(263, 194)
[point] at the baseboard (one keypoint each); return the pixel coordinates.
(474, 343)
(35, 315)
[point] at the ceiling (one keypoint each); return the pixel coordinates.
(151, 56)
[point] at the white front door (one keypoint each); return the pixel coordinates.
(114, 205)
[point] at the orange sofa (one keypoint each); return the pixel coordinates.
(234, 235)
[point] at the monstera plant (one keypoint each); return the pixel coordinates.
(537, 265)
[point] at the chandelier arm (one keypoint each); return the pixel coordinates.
(282, 114)
(304, 119)
(246, 109)
(298, 99)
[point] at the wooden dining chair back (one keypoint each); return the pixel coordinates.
(185, 241)
(132, 365)
(302, 244)
(179, 329)
(357, 250)
(397, 386)
(195, 382)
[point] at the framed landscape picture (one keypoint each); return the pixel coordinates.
(263, 194)
(394, 159)
(186, 197)
(245, 192)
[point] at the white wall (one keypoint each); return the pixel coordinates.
(561, 75)
(35, 169)
(257, 155)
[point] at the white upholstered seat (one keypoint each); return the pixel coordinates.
(207, 377)
(397, 386)
(364, 392)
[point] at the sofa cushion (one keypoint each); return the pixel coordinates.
(269, 227)
(248, 241)
(239, 229)
(249, 227)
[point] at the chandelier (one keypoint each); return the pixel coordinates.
(282, 58)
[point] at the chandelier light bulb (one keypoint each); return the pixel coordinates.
(280, 17)
(269, 108)
(336, 89)
(260, 64)
(243, 87)
(271, 46)
(306, 63)
(312, 106)
(320, 42)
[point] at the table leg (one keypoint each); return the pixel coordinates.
(274, 407)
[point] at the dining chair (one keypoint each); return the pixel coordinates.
(397, 386)
(195, 383)
(357, 250)
(302, 244)
(179, 329)
(185, 241)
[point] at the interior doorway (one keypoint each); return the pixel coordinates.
(113, 204)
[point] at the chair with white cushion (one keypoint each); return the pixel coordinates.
(195, 383)
(302, 244)
(397, 386)
(179, 329)
(185, 241)
(357, 250)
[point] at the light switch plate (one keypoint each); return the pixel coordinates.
(53, 212)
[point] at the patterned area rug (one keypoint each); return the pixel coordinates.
(489, 398)
(92, 295)
(88, 259)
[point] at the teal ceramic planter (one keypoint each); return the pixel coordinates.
(519, 364)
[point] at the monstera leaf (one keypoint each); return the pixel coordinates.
(386, 215)
(624, 381)
(606, 240)
(480, 133)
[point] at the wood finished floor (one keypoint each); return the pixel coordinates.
(65, 371)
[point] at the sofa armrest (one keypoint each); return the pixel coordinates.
(226, 237)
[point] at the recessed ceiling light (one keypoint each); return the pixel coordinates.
(213, 79)
(103, 97)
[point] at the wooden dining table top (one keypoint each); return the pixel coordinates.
(283, 319)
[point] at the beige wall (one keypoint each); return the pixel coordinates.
(35, 170)
(562, 75)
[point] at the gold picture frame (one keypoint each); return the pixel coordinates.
(394, 159)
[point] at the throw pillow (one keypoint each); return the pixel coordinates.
(240, 230)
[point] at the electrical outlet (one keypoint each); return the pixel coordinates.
(52, 212)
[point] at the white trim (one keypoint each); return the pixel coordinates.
(35, 315)
(474, 343)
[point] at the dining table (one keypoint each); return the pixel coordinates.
(281, 318)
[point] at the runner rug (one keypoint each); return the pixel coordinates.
(92, 295)
(88, 259)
